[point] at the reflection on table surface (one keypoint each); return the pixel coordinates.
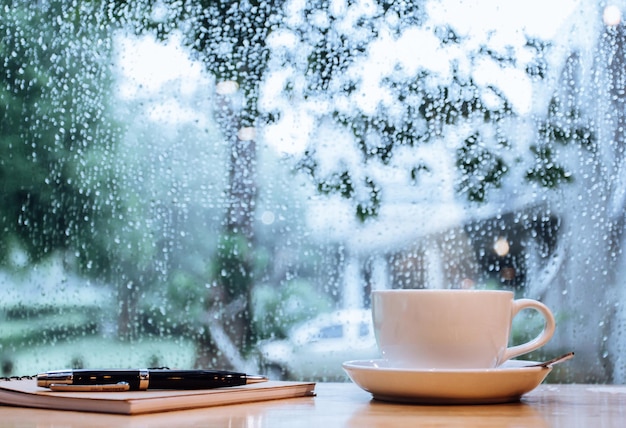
(345, 405)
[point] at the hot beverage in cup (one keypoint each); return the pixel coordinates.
(451, 329)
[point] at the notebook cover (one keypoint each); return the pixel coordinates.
(26, 393)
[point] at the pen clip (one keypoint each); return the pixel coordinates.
(112, 387)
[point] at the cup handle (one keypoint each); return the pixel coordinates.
(541, 339)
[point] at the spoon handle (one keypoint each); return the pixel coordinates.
(553, 361)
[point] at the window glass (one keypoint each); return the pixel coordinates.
(184, 182)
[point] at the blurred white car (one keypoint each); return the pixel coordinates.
(315, 349)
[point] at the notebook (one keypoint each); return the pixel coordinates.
(24, 392)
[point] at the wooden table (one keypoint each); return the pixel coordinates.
(345, 405)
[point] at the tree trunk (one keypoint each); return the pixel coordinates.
(231, 331)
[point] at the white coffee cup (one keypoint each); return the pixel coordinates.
(451, 329)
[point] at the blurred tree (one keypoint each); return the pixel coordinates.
(229, 38)
(329, 59)
(61, 178)
(50, 172)
(57, 194)
(400, 82)
(60, 186)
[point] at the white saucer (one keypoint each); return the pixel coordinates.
(504, 384)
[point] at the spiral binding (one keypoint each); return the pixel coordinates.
(10, 378)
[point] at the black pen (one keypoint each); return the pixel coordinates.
(142, 379)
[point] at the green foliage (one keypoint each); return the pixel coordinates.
(420, 109)
(338, 183)
(277, 309)
(186, 294)
(481, 169)
(233, 265)
(371, 207)
(546, 171)
(427, 107)
(560, 129)
(228, 36)
(55, 134)
(42, 325)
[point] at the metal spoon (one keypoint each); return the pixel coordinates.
(554, 361)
